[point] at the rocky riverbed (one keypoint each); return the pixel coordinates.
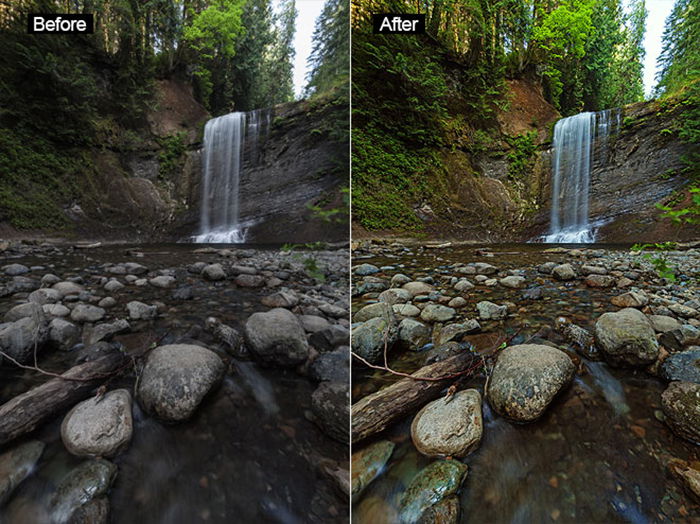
(231, 402)
(581, 403)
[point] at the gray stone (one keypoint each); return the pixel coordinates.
(682, 367)
(437, 313)
(600, 281)
(365, 269)
(134, 268)
(176, 378)
(449, 427)
(330, 404)
(107, 303)
(330, 338)
(250, 280)
(630, 299)
(162, 281)
(490, 311)
(281, 299)
(415, 334)
(681, 405)
(28, 309)
(463, 285)
(277, 338)
(90, 480)
(99, 427)
(379, 309)
(313, 323)
(439, 480)
(418, 288)
(63, 333)
(678, 339)
(525, 380)
(663, 323)
(513, 282)
(113, 285)
(368, 338)
(482, 268)
(333, 366)
(19, 339)
(456, 331)
(395, 296)
(214, 272)
(14, 270)
(16, 465)
(87, 313)
(368, 463)
(405, 310)
(140, 311)
(106, 331)
(44, 296)
(56, 310)
(626, 337)
(68, 288)
(564, 272)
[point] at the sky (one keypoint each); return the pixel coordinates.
(658, 12)
(303, 39)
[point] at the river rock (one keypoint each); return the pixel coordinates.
(140, 311)
(249, 280)
(369, 337)
(332, 366)
(28, 309)
(44, 296)
(678, 339)
(13, 270)
(405, 310)
(99, 427)
(364, 270)
(456, 331)
(593, 270)
(413, 333)
(214, 272)
(55, 310)
(277, 338)
(630, 299)
(107, 302)
(526, 378)
(449, 427)
(94, 512)
(63, 334)
(395, 296)
(626, 337)
(513, 282)
(564, 272)
(16, 465)
(446, 511)
(482, 268)
(418, 288)
(330, 404)
(379, 309)
(681, 405)
(682, 310)
(90, 480)
(176, 378)
(313, 323)
(463, 285)
(683, 366)
(87, 313)
(490, 311)
(437, 313)
(432, 484)
(600, 281)
(68, 288)
(663, 323)
(368, 463)
(399, 280)
(162, 281)
(18, 339)
(281, 299)
(330, 338)
(113, 286)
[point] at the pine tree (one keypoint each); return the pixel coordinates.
(329, 62)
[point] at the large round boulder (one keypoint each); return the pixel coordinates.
(429, 487)
(176, 378)
(526, 378)
(449, 426)
(99, 426)
(626, 338)
(277, 337)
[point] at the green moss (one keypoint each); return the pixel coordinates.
(522, 154)
(172, 154)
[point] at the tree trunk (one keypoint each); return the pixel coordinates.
(27, 411)
(378, 411)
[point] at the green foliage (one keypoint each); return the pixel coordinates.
(173, 148)
(337, 215)
(329, 62)
(521, 157)
(686, 215)
(659, 260)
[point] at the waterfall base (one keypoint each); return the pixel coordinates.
(232, 236)
(570, 236)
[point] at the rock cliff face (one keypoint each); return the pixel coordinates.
(639, 166)
(295, 166)
(148, 188)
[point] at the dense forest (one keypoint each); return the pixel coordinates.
(414, 96)
(64, 95)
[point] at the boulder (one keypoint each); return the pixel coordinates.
(99, 427)
(87, 313)
(140, 311)
(19, 339)
(525, 380)
(68, 288)
(681, 405)
(418, 288)
(368, 463)
(162, 281)
(28, 309)
(449, 426)
(432, 484)
(330, 404)
(490, 311)
(413, 333)
(63, 334)
(683, 366)
(176, 378)
(17, 464)
(626, 338)
(277, 338)
(513, 282)
(88, 481)
(630, 299)
(214, 272)
(456, 331)
(564, 272)
(437, 313)
(368, 338)
(106, 331)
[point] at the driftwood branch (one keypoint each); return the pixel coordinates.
(27, 411)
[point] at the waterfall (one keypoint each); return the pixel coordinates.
(575, 139)
(226, 140)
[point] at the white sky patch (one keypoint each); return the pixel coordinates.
(656, 19)
(307, 13)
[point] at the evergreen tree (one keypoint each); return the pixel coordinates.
(329, 62)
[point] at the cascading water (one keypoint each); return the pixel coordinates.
(575, 139)
(226, 139)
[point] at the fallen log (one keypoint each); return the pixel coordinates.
(27, 411)
(378, 411)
